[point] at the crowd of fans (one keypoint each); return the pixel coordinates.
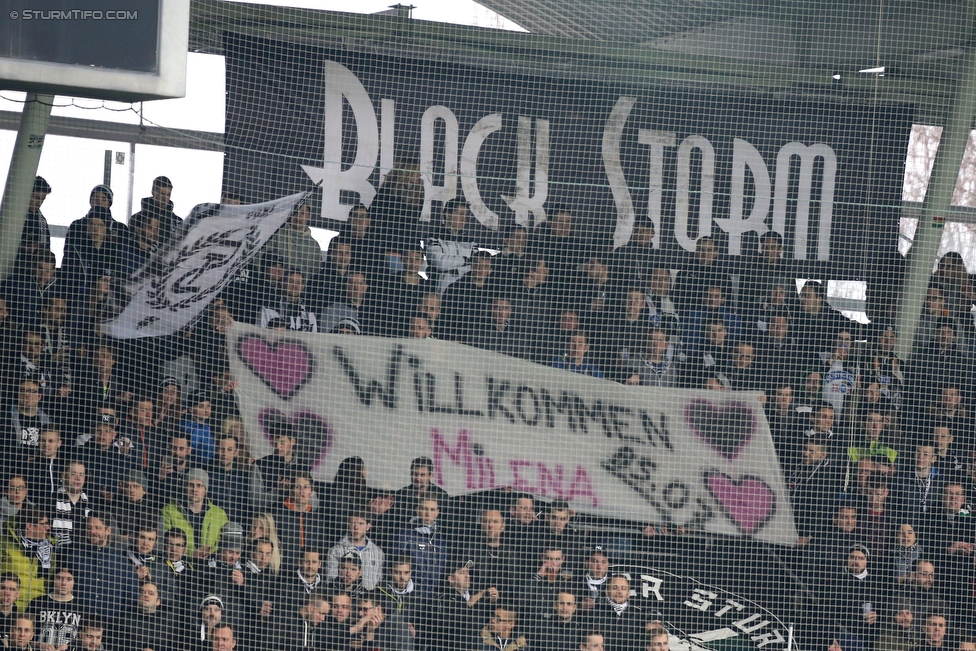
(135, 518)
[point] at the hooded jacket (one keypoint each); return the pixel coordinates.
(170, 226)
(372, 561)
(174, 516)
(298, 250)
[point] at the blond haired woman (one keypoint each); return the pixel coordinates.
(263, 526)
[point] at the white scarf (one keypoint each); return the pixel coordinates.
(405, 591)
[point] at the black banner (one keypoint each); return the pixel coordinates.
(826, 174)
(706, 618)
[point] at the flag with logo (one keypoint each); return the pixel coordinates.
(180, 281)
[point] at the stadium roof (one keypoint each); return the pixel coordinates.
(844, 34)
(779, 45)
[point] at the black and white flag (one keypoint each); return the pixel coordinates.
(180, 281)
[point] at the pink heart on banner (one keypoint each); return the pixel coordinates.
(749, 502)
(284, 366)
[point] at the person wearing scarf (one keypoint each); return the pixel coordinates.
(176, 559)
(595, 578)
(200, 633)
(308, 573)
(310, 581)
(621, 621)
(400, 593)
(350, 578)
(43, 472)
(71, 504)
(176, 572)
(142, 552)
(917, 487)
(42, 550)
(292, 307)
(27, 551)
(852, 598)
(657, 365)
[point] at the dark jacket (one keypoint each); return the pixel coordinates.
(428, 549)
(105, 580)
(454, 619)
(623, 631)
(170, 226)
(139, 630)
(813, 490)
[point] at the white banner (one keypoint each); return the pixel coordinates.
(700, 459)
(180, 281)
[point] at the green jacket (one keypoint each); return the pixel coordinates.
(14, 558)
(174, 516)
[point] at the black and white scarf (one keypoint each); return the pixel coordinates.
(309, 586)
(595, 584)
(179, 566)
(254, 569)
(138, 560)
(618, 608)
(43, 550)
